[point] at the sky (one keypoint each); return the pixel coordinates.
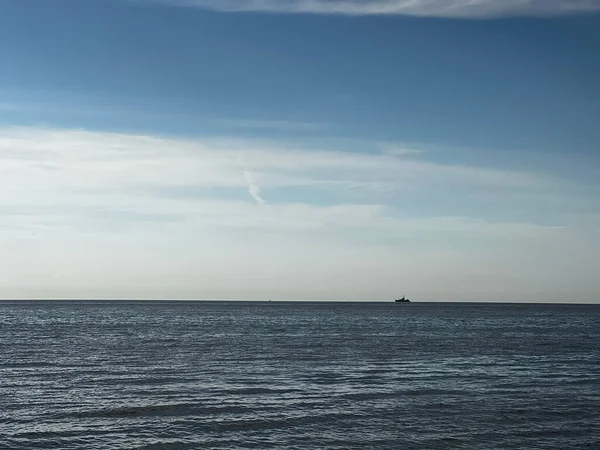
(447, 150)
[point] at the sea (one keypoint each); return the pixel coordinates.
(260, 375)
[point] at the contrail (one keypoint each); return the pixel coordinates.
(253, 188)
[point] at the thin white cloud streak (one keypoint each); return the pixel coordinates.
(102, 211)
(419, 8)
(395, 149)
(280, 125)
(253, 188)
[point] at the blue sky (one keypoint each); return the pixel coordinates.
(300, 150)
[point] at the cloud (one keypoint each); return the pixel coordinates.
(79, 158)
(177, 213)
(419, 8)
(280, 125)
(78, 179)
(394, 149)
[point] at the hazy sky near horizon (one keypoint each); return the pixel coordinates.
(296, 149)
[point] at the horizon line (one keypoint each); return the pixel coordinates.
(291, 301)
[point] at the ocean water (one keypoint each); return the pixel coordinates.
(204, 375)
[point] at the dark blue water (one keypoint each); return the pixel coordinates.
(161, 375)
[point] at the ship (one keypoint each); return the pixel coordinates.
(402, 300)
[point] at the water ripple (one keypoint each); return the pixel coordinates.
(159, 375)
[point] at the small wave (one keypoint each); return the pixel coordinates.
(419, 392)
(285, 422)
(167, 445)
(176, 409)
(258, 391)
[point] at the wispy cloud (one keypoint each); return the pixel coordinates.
(422, 8)
(79, 158)
(284, 125)
(54, 176)
(8, 107)
(72, 199)
(395, 149)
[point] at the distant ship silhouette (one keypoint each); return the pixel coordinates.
(402, 300)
